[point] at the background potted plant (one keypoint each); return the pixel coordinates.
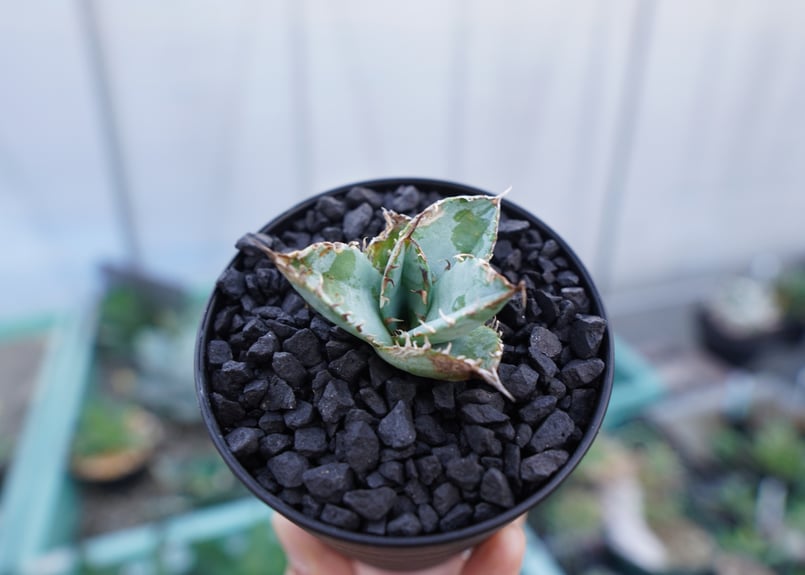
(114, 440)
(374, 460)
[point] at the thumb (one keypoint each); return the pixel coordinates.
(306, 554)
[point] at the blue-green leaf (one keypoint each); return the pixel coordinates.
(476, 355)
(470, 293)
(334, 279)
(457, 225)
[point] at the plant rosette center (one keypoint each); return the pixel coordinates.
(421, 292)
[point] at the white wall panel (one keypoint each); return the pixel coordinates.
(656, 159)
(56, 216)
(714, 182)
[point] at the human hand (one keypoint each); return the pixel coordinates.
(501, 554)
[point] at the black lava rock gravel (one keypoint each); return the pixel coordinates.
(347, 439)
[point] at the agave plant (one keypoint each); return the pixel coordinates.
(421, 293)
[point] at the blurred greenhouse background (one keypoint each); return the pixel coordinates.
(664, 139)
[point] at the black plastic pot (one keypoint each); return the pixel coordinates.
(416, 552)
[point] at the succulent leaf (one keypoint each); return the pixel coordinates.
(333, 278)
(477, 354)
(379, 249)
(406, 285)
(470, 293)
(420, 292)
(457, 225)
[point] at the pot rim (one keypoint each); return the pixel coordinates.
(476, 530)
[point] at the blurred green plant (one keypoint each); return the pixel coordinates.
(104, 427)
(791, 293)
(253, 551)
(201, 478)
(778, 449)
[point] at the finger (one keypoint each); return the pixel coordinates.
(306, 554)
(451, 567)
(502, 554)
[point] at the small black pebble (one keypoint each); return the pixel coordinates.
(427, 517)
(335, 348)
(443, 396)
(548, 305)
(340, 517)
(304, 345)
(332, 208)
(328, 482)
(310, 506)
(289, 368)
(375, 480)
(482, 440)
(218, 352)
(582, 404)
(538, 409)
(542, 363)
(483, 396)
(379, 371)
(444, 497)
(279, 396)
(288, 467)
(349, 366)
(356, 220)
(253, 393)
(272, 422)
(417, 492)
(262, 350)
(310, 441)
(540, 467)
(359, 194)
(301, 415)
(429, 430)
(393, 471)
(274, 444)
(227, 411)
(465, 472)
(447, 452)
(482, 414)
(232, 283)
(512, 457)
(360, 446)
(523, 434)
(581, 372)
(484, 511)
(509, 227)
(495, 488)
(406, 525)
(586, 335)
(399, 389)
(556, 388)
(429, 468)
(373, 401)
(236, 372)
(553, 432)
(254, 329)
(243, 441)
(406, 199)
(397, 429)
(459, 516)
(336, 401)
(375, 527)
(520, 381)
(545, 341)
(371, 504)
